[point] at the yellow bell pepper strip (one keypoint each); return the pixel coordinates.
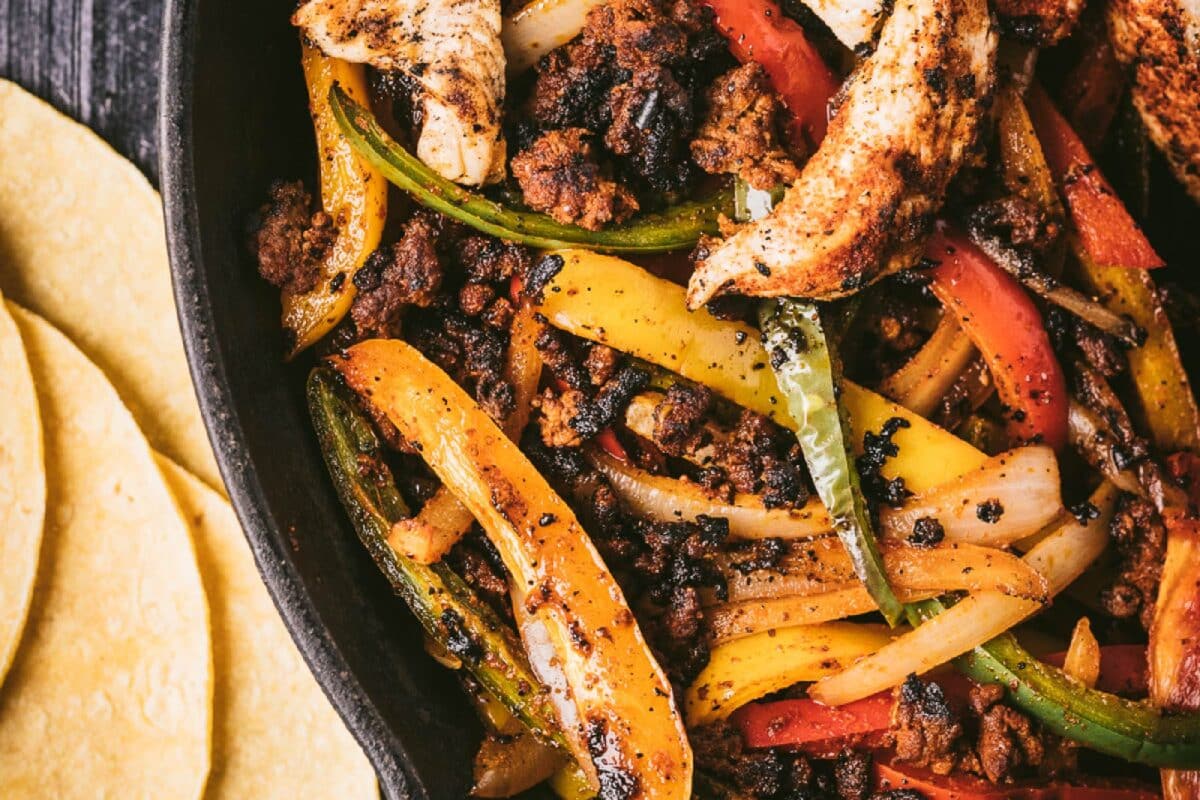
(353, 193)
(614, 702)
(445, 606)
(1168, 407)
(611, 301)
(677, 228)
(1022, 162)
(752, 667)
(804, 370)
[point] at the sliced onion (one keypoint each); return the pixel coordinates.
(1060, 557)
(506, 767)
(928, 375)
(1094, 442)
(672, 500)
(539, 27)
(1082, 661)
(736, 620)
(822, 565)
(1023, 483)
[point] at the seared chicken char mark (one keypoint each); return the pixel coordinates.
(866, 199)
(1159, 40)
(451, 49)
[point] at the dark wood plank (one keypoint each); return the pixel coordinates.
(96, 60)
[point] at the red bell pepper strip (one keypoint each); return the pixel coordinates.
(759, 31)
(808, 724)
(1106, 230)
(968, 787)
(819, 729)
(1006, 326)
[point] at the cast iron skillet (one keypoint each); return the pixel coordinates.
(234, 118)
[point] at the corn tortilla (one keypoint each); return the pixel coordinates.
(110, 693)
(22, 488)
(274, 733)
(81, 244)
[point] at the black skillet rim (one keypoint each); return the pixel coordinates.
(208, 371)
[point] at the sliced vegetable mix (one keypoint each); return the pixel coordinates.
(579, 643)
(642, 315)
(445, 606)
(677, 228)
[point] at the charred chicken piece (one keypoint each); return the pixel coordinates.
(451, 51)
(1159, 41)
(864, 202)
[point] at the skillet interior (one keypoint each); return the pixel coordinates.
(234, 118)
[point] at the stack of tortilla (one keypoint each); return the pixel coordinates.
(140, 655)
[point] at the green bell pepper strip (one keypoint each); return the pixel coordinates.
(807, 373)
(804, 369)
(1134, 731)
(677, 228)
(445, 606)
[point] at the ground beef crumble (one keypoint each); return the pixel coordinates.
(925, 728)
(761, 457)
(559, 175)
(984, 737)
(740, 135)
(632, 78)
(291, 240)
(679, 419)
(1141, 541)
(407, 272)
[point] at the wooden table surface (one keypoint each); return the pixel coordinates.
(96, 60)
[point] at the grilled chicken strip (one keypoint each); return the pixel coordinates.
(865, 201)
(1159, 40)
(451, 50)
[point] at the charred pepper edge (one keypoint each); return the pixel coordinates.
(677, 228)
(497, 659)
(1115, 726)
